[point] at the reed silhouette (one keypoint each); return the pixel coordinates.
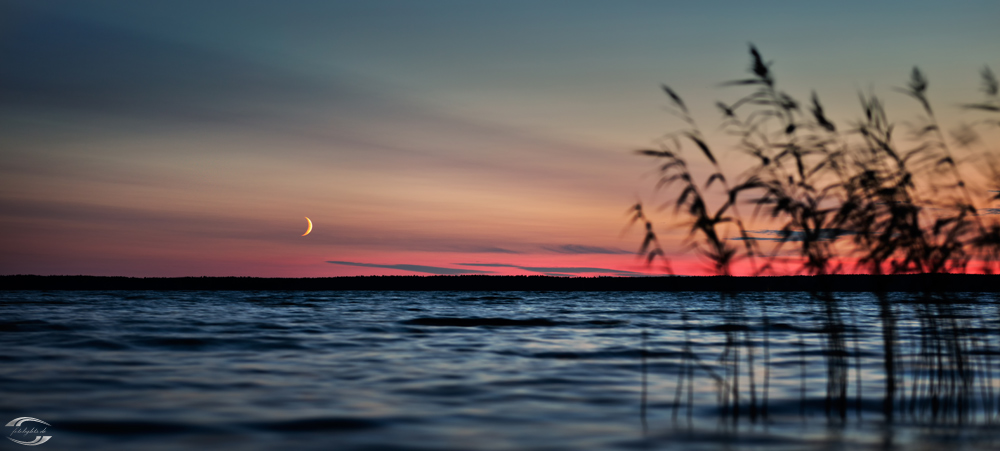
(845, 197)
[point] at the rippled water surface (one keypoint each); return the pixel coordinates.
(500, 370)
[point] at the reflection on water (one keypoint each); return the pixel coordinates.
(502, 370)
(918, 368)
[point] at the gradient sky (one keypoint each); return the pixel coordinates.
(149, 138)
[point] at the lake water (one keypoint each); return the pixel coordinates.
(500, 370)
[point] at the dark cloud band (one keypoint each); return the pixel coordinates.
(415, 268)
(561, 271)
(581, 249)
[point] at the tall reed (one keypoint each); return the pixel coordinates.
(847, 197)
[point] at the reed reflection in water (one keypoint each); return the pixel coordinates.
(926, 365)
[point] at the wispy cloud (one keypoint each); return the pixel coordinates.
(415, 268)
(581, 249)
(557, 270)
(489, 250)
(791, 235)
(989, 211)
(571, 271)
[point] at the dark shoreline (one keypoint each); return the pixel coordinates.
(942, 283)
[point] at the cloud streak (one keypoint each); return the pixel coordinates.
(582, 249)
(487, 250)
(557, 270)
(437, 270)
(791, 235)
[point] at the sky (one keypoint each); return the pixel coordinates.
(193, 138)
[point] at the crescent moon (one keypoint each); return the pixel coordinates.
(310, 228)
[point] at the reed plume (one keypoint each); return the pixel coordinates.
(845, 197)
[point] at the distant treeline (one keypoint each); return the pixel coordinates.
(846, 283)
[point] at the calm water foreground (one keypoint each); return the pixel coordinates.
(500, 370)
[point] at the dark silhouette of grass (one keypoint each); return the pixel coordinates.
(905, 209)
(847, 197)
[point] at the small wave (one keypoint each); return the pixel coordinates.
(32, 325)
(606, 322)
(476, 322)
(492, 297)
(97, 343)
(177, 342)
(633, 312)
(630, 354)
(191, 343)
(127, 427)
(698, 439)
(318, 425)
(827, 352)
(818, 404)
(507, 322)
(461, 391)
(728, 327)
